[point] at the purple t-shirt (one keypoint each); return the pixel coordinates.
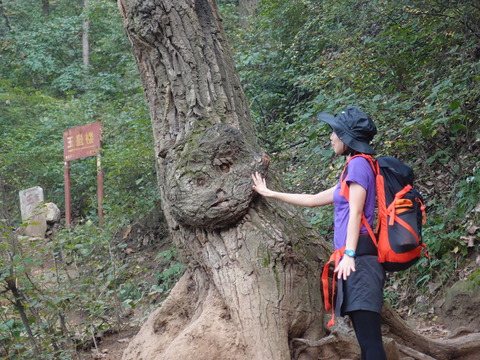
(360, 172)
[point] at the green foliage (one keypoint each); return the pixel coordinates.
(45, 89)
(128, 158)
(414, 66)
(45, 51)
(80, 278)
(34, 116)
(382, 55)
(469, 194)
(172, 270)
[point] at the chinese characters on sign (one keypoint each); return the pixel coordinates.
(81, 141)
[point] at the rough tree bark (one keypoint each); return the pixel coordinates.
(253, 266)
(252, 287)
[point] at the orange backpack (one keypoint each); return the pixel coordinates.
(400, 216)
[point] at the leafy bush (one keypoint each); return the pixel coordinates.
(413, 66)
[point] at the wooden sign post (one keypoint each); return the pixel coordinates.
(80, 142)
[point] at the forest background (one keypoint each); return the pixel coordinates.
(414, 66)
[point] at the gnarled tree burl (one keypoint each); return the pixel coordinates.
(251, 290)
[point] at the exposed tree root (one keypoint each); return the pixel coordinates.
(404, 342)
(338, 344)
(413, 353)
(300, 345)
(315, 343)
(465, 348)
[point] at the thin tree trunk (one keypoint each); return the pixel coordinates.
(10, 280)
(5, 17)
(17, 302)
(247, 9)
(85, 37)
(4, 215)
(46, 7)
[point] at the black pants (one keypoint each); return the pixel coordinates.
(367, 326)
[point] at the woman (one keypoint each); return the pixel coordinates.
(360, 276)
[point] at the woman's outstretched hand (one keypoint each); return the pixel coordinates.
(260, 185)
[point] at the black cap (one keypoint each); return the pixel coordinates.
(355, 128)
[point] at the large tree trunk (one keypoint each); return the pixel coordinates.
(253, 265)
(252, 289)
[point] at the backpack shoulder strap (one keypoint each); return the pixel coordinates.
(344, 190)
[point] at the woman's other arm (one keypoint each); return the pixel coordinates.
(357, 196)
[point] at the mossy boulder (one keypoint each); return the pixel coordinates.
(462, 302)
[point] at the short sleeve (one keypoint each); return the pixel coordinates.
(360, 172)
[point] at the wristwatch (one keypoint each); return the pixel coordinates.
(350, 253)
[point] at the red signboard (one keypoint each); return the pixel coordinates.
(82, 141)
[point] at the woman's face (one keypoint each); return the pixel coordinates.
(338, 146)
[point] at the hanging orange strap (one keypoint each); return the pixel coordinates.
(329, 300)
(424, 211)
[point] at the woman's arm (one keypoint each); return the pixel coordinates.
(356, 203)
(308, 200)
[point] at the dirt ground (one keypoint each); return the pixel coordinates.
(425, 319)
(111, 346)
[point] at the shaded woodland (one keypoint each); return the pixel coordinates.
(413, 65)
